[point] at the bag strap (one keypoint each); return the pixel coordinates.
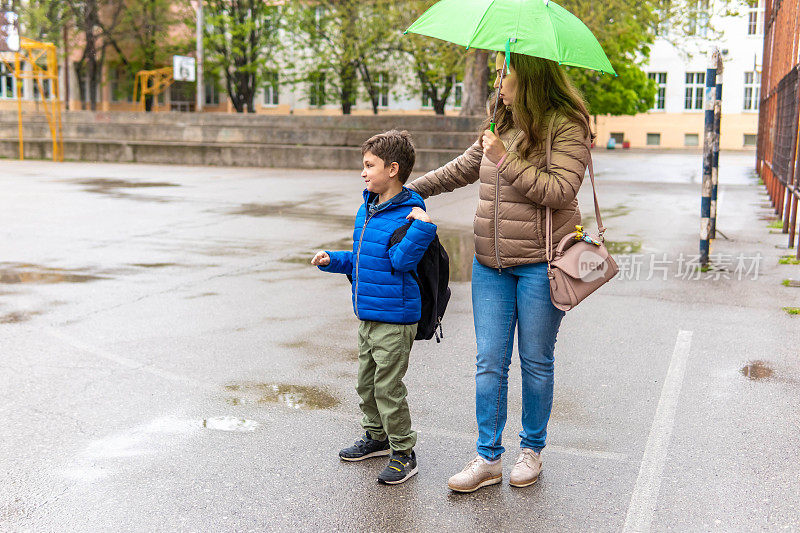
(549, 216)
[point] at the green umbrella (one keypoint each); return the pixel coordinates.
(538, 28)
(532, 27)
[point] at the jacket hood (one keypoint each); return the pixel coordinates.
(405, 198)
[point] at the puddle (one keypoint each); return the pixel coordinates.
(293, 210)
(111, 187)
(587, 219)
(18, 317)
(154, 265)
(623, 247)
(107, 184)
(292, 396)
(460, 247)
(757, 371)
(230, 423)
(13, 273)
(203, 295)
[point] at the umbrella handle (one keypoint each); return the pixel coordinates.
(491, 126)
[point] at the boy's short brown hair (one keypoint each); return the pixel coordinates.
(393, 146)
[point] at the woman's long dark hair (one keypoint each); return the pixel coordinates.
(542, 86)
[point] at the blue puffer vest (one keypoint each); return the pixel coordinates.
(383, 288)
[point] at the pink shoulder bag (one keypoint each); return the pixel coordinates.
(580, 263)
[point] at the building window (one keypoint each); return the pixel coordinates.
(426, 98)
(317, 89)
(653, 139)
(121, 85)
(271, 88)
(750, 139)
(698, 18)
(661, 82)
(755, 18)
(319, 16)
(8, 84)
(691, 139)
(382, 88)
(619, 138)
(45, 85)
(695, 87)
(458, 94)
(211, 92)
(752, 89)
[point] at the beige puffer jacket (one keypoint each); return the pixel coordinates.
(510, 221)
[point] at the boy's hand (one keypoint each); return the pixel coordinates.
(419, 214)
(321, 259)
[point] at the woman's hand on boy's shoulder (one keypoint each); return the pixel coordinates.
(321, 259)
(419, 214)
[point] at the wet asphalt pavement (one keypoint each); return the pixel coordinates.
(170, 362)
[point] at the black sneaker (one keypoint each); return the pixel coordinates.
(364, 448)
(400, 468)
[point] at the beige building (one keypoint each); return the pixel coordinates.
(676, 120)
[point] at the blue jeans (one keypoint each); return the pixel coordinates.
(500, 300)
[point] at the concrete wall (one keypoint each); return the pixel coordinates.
(233, 140)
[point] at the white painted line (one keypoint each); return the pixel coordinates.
(645, 494)
(126, 362)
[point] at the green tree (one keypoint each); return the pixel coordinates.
(43, 20)
(344, 40)
(241, 39)
(436, 64)
(97, 35)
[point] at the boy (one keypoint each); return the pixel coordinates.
(386, 299)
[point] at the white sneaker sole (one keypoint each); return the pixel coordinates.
(484, 483)
(379, 453)
(401, 480)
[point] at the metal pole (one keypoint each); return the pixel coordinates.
(712, 231)
(200, 97)
(66, 69)
(18, 82)
(708, 155)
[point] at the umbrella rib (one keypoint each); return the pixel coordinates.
(475, 31)
(555, 36)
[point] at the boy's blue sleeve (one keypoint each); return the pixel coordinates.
(406, 254)
(341, 263)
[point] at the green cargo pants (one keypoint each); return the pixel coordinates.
(383, 351)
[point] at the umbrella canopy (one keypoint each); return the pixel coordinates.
(538, 28)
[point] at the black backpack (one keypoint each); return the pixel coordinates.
(432, 276)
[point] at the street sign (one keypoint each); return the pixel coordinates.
(183, 68)
(9, 31)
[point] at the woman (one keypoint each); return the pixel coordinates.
(509, 274)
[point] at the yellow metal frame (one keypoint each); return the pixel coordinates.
(32, 52)
(152, 83)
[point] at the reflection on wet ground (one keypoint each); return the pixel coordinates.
(155, 265)
(203, 295)
(111, 187)
(17, 316)
(588, 219)
(293, 210)
(460, 246)
(623, 247)
(12, 273)
(230, 423)
(292, 396)
(757, 371)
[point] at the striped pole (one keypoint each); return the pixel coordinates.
(712, 230)
(708, 155)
